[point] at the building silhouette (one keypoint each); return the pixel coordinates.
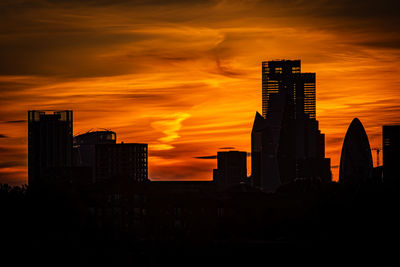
(286, 142)
(231, 168)
(391, 153)
(356, 158)
(49, 142)
(284, 76)
(109, 160)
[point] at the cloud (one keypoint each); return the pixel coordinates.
(17, 121)
(248, 154)
(10, 164)
(170, 125)
(157, 147)
(206, 157)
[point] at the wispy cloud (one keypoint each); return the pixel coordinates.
(206, 157)
(169, 125)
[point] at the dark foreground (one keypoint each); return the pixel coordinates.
(177, 224)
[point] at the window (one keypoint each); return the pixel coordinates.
(386, 142)
(295, 69)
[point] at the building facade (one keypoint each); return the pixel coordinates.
(49, 142)
(110, 161)
(391, 154)
(231, 168)
(286, 142)
(284, 76)
(356, 158)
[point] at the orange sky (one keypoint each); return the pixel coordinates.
(185, 77)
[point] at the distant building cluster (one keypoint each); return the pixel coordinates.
(99, 151)
(90, 190)
(93, 157)
(286, 144)
(356, 159)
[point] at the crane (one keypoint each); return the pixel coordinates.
(378, 149)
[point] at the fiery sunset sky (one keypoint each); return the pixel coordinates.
(185, 76)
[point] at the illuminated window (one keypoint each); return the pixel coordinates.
(386, 142)
(110, 136)
(295, 69)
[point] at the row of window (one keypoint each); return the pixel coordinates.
(279, 70)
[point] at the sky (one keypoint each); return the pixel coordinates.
(185, 76)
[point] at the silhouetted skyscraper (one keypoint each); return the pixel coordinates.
(286, 141)
(231, 168)
(284, 76)
(49, 142)
(391, 153)
(356, 158)
(110, 160)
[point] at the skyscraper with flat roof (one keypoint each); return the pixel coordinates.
(231, 168)
(49, 142)
(391, 153)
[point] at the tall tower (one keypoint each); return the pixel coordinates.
(391, 156)
(285, 76)
(356, 158)
(49, 142)
(286, 141)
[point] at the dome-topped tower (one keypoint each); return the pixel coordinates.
(356, 158)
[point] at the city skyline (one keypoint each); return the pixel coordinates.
(198, 92)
